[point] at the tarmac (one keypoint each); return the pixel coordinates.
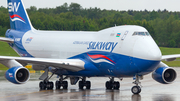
(151, 90)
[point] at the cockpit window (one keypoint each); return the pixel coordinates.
(141, 33)
(147, 33)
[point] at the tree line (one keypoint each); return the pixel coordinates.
(164, 26)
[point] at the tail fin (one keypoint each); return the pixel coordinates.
(19, 20)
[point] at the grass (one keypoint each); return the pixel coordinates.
(6, 50)
(173, 63)
(168, 51)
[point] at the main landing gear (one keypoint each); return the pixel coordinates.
(46, 84)
(136, 89)
(83, 83)
(112, 84)
(61, 83)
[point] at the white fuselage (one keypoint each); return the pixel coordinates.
(65, 44)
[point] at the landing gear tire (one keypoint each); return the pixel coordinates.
(116, 85)
(50, 85)
(42, 85)
(85, 83)
(63, 84)
(81, 85)
(112, 85)
(136, 89)
(88, 84)
(57, 84)
(46, 85)
(109, 85)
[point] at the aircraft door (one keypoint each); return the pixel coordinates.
(124, 36)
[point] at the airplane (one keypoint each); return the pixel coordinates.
(116, 52)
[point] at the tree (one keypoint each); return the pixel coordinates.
(138, 16)
(172, 43)
(153, 15)
(75, 8)
(64, 8)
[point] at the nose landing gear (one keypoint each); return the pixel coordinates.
(136, 89)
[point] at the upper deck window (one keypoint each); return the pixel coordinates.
(141, 33)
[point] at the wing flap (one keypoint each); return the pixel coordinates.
(68, 64)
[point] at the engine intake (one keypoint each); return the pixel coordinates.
(17, 75)
(164, 75)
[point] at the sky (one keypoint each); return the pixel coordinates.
(170, 5)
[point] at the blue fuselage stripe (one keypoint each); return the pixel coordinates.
(120, 66)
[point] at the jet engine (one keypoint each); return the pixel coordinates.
(17, 75)
(164, 75)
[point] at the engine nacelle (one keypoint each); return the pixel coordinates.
(164, 75)
(17, 75)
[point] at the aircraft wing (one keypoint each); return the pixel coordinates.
(68, 64)
(170, 57)
(8, 40)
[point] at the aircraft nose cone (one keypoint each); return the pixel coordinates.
(147, 49)
(154, 54)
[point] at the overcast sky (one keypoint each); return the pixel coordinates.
(170, 5)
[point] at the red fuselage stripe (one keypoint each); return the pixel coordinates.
(100, 56)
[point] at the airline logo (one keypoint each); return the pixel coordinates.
(28, 40)
(13, 7)
(102, 45)
(100, 58)
(10, 75)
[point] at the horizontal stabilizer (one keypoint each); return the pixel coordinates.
(8, 40)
